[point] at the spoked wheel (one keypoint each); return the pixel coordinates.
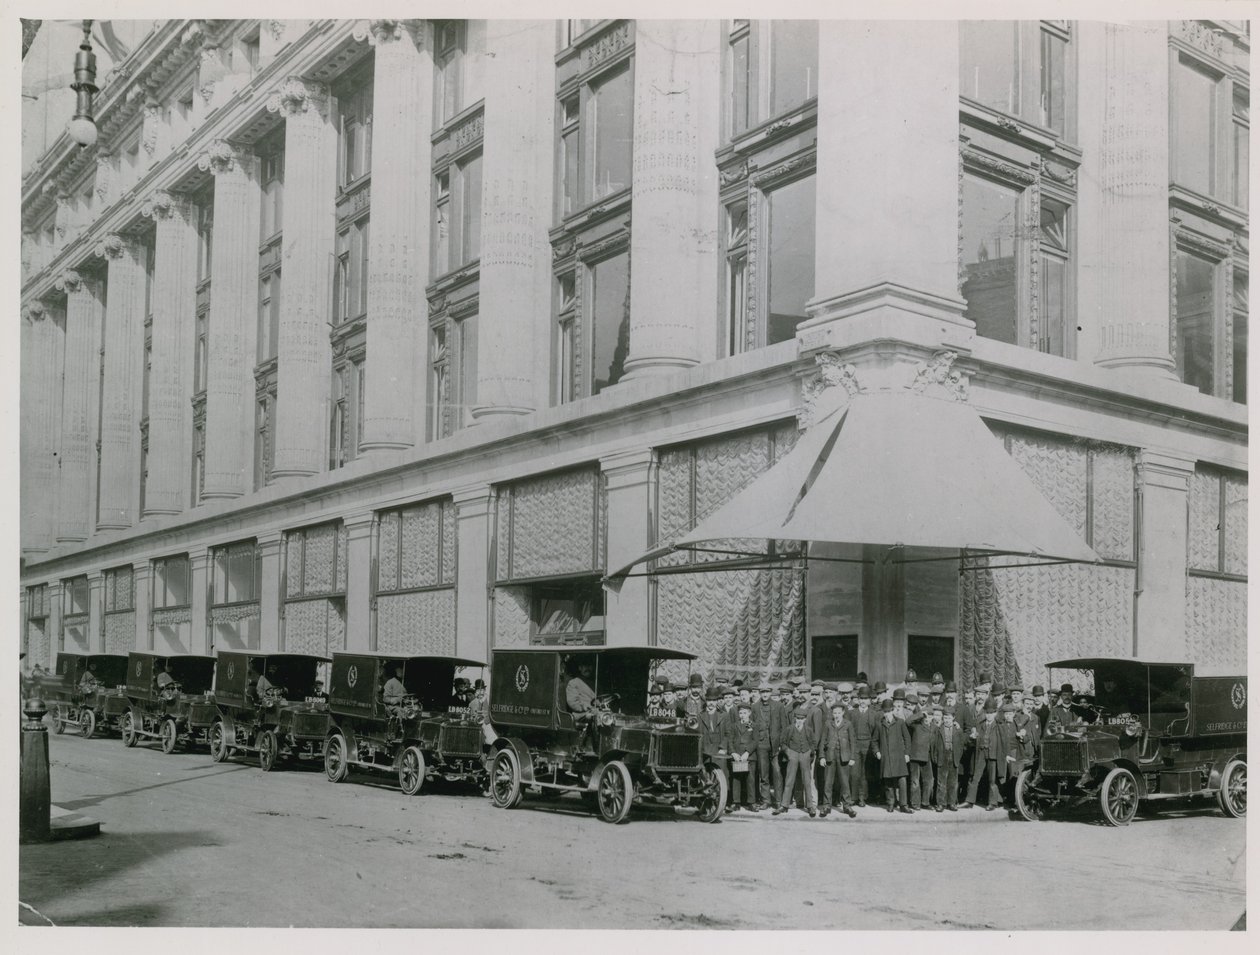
(1233, 794)
(411, 770)
(87, 723)
(335, 765)
(615, 791)
(268, 749)
(1029, 804)
(1119, 797)
(169, 734)
(505, 779)
(713, 802)
(218, 742)
(58, 721)
(127, 724)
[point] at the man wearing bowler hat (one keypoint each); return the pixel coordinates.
(865, 722)
(1040, 706)
(892, 742)
(1061, 712)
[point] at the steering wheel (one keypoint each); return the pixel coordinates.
(605, 700)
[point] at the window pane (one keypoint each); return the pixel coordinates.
(1053, 329)
(467, 367)
(740, 119)
(1240, 337)
(791, 258)
(470, 210)
(1242, 158)
(1195, 98)
(273, 329)
(610, 320)
(990, 222)
(241, 574)
(612, 108)
(569, 147)
(564, 364)
(794, 63)
(437, 398)
(989, 63)
(1196, 319)
(175, 575)
(1053, 100)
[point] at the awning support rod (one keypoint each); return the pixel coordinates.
(746, 553)
(1040, 563)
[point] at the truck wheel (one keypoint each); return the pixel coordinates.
(1233, 792)
(1119, 797)
(87, 723)
(713, 802)
(268, 747)
(505, 779)
(169, 734)
(218, 742)
(335, 765)
(58, 721)
(127, 725)
(411, 770)
(1030, 805)
(614, 792)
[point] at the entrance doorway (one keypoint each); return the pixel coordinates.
(834, 657)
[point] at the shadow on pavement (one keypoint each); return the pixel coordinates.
(47, 870)
(95, 800)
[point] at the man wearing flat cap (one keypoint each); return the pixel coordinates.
(771, 717)
(800, 744)
(865, 723)
(986, 754)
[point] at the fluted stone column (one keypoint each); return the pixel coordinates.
(517, 187)
(174, 303)
(305, 360)
(124, 381)
(41, 423)
(1122, 226)
(886, 244)
(233, 322)
(399, 239)
(677, 103)
(76, 481)
(472, 595)
(631, 483)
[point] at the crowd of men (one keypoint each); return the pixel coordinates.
(912, 746)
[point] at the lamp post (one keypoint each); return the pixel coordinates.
(82, 127)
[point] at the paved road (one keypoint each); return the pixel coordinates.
(188, 842)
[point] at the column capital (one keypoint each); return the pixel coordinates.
(297, 96)
(34, 311)
(1164, 469)
(164, 205)
(471, 495)
(269, 543)
(383, 32)
(628, 468)
(70, 282)
(359, 525)
(112, 246)
(224, 156)
(198, 556)
(95, 578)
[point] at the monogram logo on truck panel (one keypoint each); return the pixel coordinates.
(352, 676)
(522, 678)
(1238, 696)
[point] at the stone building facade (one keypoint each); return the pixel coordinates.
(401, 334)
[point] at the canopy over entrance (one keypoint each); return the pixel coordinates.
(896, 469)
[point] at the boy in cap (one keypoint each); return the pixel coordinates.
(741, 745)
(711, 726)
(865, 723)
(893, 752)
(838, 756)
(1028, 729)
(946, 754)
(985, 757)
(800, 745)
(922, 729)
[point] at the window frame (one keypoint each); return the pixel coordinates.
(113, 605)
(381, 586)
(758, 87)
(562, 589)
(158, 566)
(1029, 72)
(221, 557)
(1222, 475)
(1224, 307)
(355, 95)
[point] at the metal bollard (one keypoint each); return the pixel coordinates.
(35, 796)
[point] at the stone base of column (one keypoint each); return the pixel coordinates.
(160, 511)
(484, 413)
(367, 447)
(112, 526)
(1163, 368)
(213, 495)
(882, 312)
(277, 474)
(654, 367)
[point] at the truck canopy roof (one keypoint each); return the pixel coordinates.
(646, 653)
(409, 657)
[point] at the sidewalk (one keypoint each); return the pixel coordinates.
(871, 813)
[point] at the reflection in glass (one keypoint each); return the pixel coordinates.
(1196, 320)
(791, 258)
(1195, 136)
(989, 63)
(612, 108)
(794, 63)
(990, 243)
(610, 320)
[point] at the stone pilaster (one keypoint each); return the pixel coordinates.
(360, 601)
(515, 283)
(174, 304)
(96, 612)
(124, 380)
(1159, 613)
(54, 636)
(200, 636)
(270, 547)
(141, 581)
(233, 322)
(305, 360)
(80, 393)
(472, 596)
(1122, 226)
(399, 238)
(881, 167)
(43, 351)
(631, 484)
(677, 102)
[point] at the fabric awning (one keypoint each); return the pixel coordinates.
(893, 469)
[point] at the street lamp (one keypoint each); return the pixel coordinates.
(82, 127)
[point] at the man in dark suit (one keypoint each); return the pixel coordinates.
(1007, 748)
(838, 755)
(865, 722)
(947, 756)
(985, 757)
(922, 729)
(711, 726)
(771, 717)
(741, 745)
(892, 743)
(1040, 706)
(800, 745)
(1062, 712)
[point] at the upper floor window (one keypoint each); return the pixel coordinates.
(120, 591)
(350, 280)
(1196, 146)
(448, 60)
(171, 586)
(596, 137)
(1017, 67)
(205, 236)
(37, 601)
(592, 330)
(269, 316)
(1210, 316)
(457, 215)
(271, 212)
(201, 358)
(772, 68)
(354, 103)
(77, 595)
(237, 573)
(346, 424)
(264, 445)
(1242, 147)
(570, 30)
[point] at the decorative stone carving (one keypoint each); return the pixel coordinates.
(275, 28)
(104, 175)
(831, 373)
(152, 116)
(1197, 33)
(378, 32)
(221, 157)
(468, 132)
(69, 282)
(295, 96)
(34, 311)
(606, 46)
(111, 246)
(158, 206)
(938, 376)
(733, 174)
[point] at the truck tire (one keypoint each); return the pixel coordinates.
(1118, 797)
(1232, 795)
(614, 792)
